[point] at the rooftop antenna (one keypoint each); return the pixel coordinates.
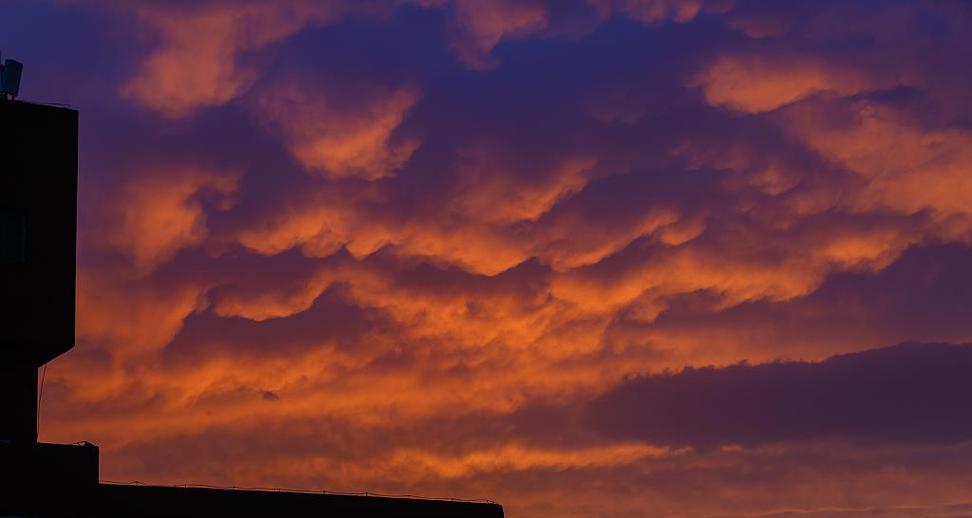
(10, 72)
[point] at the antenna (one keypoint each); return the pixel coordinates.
(10, 72)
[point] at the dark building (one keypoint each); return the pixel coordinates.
(38, 220)
(38, 203)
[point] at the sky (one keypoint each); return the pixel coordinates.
(586, 258)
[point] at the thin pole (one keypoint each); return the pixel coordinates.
(40, 396)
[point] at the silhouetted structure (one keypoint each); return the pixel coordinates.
(38, 203)
(38, 207)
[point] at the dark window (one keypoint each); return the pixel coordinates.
(13, 236)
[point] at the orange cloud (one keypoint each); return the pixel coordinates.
(764, 82)
(161, 212)
(491, 191)
(519, 458)
(341, 137)
(196, 63)
(907, 168)
(481, 25)
(434, 319)
(655, 11)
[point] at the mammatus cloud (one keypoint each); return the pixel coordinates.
(218, 49)
(198, 60)
(160, 212)
(341, 137)
(766, 81)
(470, 248)
(479, 26)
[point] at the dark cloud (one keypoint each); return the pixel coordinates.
(910, 393)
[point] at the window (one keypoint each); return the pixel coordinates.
(13, 236)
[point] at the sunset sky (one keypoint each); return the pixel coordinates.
(586, 258)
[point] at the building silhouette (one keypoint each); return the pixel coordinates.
(38, 208)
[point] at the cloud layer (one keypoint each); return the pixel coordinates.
(519, 249)
(903, 394)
